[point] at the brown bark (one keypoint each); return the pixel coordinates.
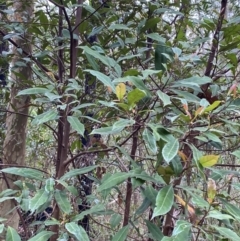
(129, 182)
(64, 125)
(14, 143)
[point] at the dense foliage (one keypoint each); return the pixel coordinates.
(133, 129)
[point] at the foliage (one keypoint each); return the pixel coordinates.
(153, 91)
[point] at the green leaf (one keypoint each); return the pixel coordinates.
(73, 190)
(212, 137)
(154, 230)
(62, 201)
(38, 200)
(156, 37)
(52, 96)
(45, 117)
(164, 98)
(151, 194)
(150, 140)
(137, 81)
(176, 165)
(103, 78)
(121, 235)
(231, 209)
(162, 55)
(92, 210)
(51, 222)
(43, 20)
(42, 236)
(33, 91)
(227, 233)
(115, 220)
(76, 124)
(2, 228)
(146, 203)
(164, 201)
(78, 232)
(118, 27)
(236, 153)
(96, 55)
(218, 215)
(116, 128)
(182, 231)
(76, 172)
(2, 199)
(49, 186)
(93, 62)
(187, 96)
(193, 81)
(150, 24)
(134, 96)
(114, 180)
(170, 150)
(12, 235)
(24, 172)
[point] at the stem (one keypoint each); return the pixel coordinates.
(129, 183)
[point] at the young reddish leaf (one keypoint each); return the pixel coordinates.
(211, 190)
(190, 209)
(182, 155)
(233, 89)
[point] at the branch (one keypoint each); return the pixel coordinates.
(215, 43)
(42, 67)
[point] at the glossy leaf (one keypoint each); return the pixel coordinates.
(76, 124)
(227, 233)
(49, 187)
(42, 236)
(164, 98)
(150, 141)
(164, 201)
(92, 210)
(218, 215)
(121, 235)
(76, 172)
(77, 231)
(45, 117)
(115, 220)
(134, 96)
(12, 235)
(163, 54)
(33, 91)
(103, 78)
(114, 180)
(24, 172)
(38, 200)
(95, 54)
(170, 150)
(154, 230)
(62, 201)
(116, 128)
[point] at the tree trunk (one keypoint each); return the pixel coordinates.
(17, 116)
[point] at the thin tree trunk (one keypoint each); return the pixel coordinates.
(15, 139)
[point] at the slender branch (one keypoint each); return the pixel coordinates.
(42, 67)
(215, 43)
(129, 182)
